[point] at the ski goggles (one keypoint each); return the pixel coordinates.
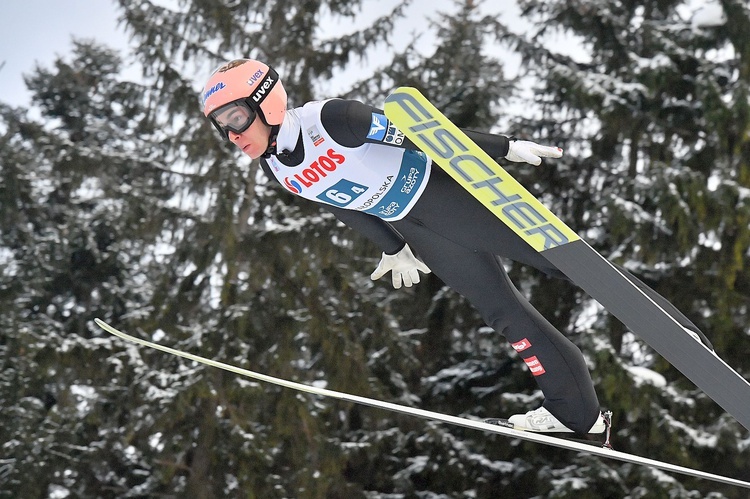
(237, 116)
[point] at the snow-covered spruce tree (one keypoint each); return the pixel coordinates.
(83, 206)
(159, 227)
(650, 100)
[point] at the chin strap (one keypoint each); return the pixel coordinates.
(271, 142)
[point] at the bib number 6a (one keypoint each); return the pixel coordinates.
(342, 193)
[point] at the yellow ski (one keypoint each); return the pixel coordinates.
(476, 171)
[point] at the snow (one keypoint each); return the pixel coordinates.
(232, 485)
(157, 394)
(637, 214)
(710, 239)
(57, 492)
(636, 349)
(663, 477)
(85, 396)
(418, 464)
(522, 399)
(744, 445)
(156, 442)
(652, 63)
(245, 384)
(8, 262)
(710, 15)
(158, 335)
(642, 375)
(700, 438)
(355, 445)
(131, 453)
(588, 315)
(571, 483)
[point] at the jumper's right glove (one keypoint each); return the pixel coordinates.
(404, 266)
(528, 152)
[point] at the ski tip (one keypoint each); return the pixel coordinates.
(108, 328)
(103, 325)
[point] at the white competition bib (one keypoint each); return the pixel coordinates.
(382, 180)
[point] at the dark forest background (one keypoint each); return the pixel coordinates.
(119, 201)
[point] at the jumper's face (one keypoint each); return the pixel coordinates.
(254, 140)
(238, 123)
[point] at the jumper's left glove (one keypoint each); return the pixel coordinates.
(404, 266)
(529, 152)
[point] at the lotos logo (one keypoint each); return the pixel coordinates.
(255, 77)
(293, 185)
(213, 90)
(317, 170)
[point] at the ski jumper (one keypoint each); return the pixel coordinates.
(347, 156)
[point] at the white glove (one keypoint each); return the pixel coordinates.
(403, 266)
(529, 152)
